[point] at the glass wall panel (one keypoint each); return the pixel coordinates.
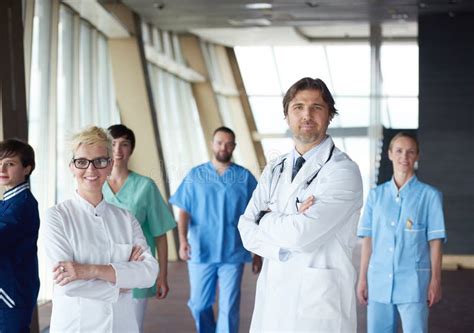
(399, 64)
(38, 110)
(400, 113)
(183, 140)
(66, 101)
(359, 150)
(346, 70)
(258, 59)
(353, 112)
(227, 97)
(107, 114)
(157, 43)
(85, 76)
(268, 114)
(296, 62)
(84, 96)
(349, 67)
(38, 119)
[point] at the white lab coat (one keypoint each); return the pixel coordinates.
(307, 282)
(74, 230)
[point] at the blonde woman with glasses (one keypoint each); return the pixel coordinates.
(97, 251)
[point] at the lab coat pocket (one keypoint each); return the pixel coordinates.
(319, 296)
(121, 252)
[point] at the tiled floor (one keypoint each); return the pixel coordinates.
(172, 314)
(454, 314)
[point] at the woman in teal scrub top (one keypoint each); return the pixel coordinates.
(140, 195)
(402, 229)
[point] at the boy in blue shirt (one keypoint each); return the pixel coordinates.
(19, 224)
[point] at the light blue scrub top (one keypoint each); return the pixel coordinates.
(141, 197)
(215, 203)
(401, 223)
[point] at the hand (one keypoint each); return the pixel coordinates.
(261, 214)
(362, 291)
(136, 254)
(256, 264)
(68, 271)
(305, 205)
(162, 288)
(434, 293)
(184, 250)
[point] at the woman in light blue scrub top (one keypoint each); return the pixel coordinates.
(402, 229)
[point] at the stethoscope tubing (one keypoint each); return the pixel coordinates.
(281, 164)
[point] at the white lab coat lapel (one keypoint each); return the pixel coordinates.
(307, 171)
(285, 182)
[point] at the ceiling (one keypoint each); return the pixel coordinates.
(290, 21)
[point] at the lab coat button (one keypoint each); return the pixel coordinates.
(390, 275)
(391, 249)
(397, 199)
(393, 223)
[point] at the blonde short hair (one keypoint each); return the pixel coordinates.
(405, 135)
(92, 135)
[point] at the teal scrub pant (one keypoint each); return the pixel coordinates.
(203, 279)
(382, 317)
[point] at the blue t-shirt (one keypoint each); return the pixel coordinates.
(401, 224)
(215, 203)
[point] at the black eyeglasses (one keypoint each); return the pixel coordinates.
(98, 163)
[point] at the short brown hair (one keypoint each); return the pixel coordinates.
(16, 147)
(308, 83)
(225, 130)
(119, 131)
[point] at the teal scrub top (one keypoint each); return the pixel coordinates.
(141, 197)
(215, 203)
(401, 224)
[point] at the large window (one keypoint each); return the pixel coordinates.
(399, 64)
(345, 68)
(85, 93)
(70, 88)
(176, 110)
(39, 99)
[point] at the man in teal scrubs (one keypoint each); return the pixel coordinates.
(140, 195)
(211, 199)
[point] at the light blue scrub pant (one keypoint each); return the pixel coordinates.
(382, 318)
(203, 280)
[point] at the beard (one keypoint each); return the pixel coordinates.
(316, 134)
(308, 138)
(223, 157)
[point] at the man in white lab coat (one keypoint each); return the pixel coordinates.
(302, 220)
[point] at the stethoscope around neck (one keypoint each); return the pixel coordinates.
(281, 166)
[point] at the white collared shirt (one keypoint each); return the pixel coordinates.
(15, 191)
(75, 230)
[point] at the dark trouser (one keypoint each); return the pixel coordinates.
(16, 320)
